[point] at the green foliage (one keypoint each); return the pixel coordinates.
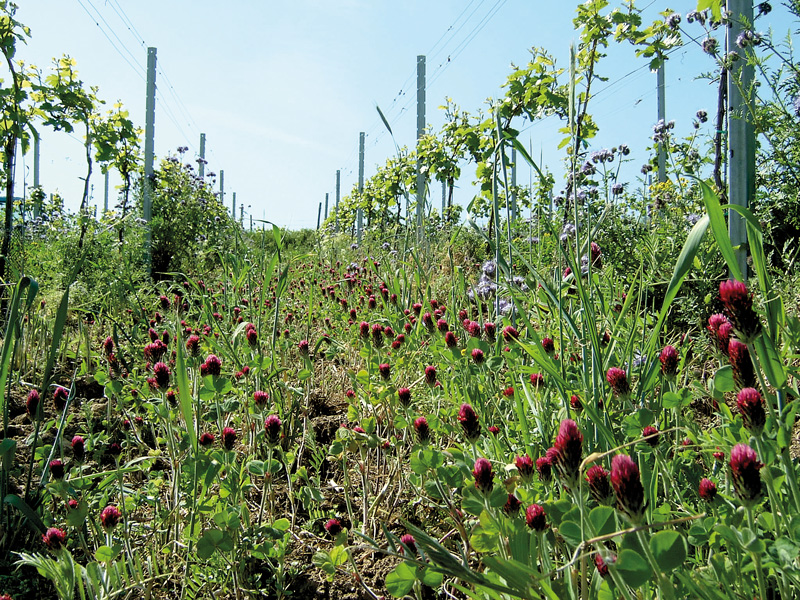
(190, 227)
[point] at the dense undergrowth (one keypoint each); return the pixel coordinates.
(589, 400)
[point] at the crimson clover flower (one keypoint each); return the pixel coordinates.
(477, 356)
(567, 457)
(32, 404)
(193, 345)
(483, 475)
(720, 329)
(110, 517)
(60, 396)
(260, 399)
(599, 486)
(512, 505)
(544, 467)
(409, 542)
(618, 380)
(536, 518)
(213, 365)
(651, 435)
(468, 419)
(161, 375)
(206, 439)
(78, 448)
(385, 371)
(525, 467)
(707, 490)
(404, 396)
(669, 361)
(743, 373)
(423, 429)
(751, 407)
(628, 488)
(56, 469)
(108, 345)
(54, 538)
(333, 527)
(272, 427)
(430, 375)
(450, 339)
(228, 438)
(745, 469)
(738, 304)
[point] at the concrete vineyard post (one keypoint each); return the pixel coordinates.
(149, 149)
(360, 212)
(420, 133)
(202, 166)
(741, 138)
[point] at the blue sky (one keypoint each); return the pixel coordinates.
(282, 90)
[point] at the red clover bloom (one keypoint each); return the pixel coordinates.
(423, 429)
(110, 517)
(567, 458)
(650, 435)
(751, 407)
(599, 486)
(272, 427)
(512, 505)
(739, 307)
(707, 490)
(525, 467)
(228, 438)
(669, 361)
(333, 527)
(745, 469)
(78, 448)
(404, 396)
(468, 419)
(536, 518)
(627, 486)
(618, 380)
(741, 365)
(54, 538)
(483, 475)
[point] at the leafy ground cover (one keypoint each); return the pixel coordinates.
(592, 401)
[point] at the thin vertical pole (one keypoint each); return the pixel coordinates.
(326, 206)
(37, 207)
(202, 169)
(420, 133)
(251, 222)
(444, 196)
(360, 212)
(338, 194)
(241, 213)
(105, 193)
(35, 159)
(149, 149)
(319, 215)
(741, 138)
(662, 116)
(514, 184)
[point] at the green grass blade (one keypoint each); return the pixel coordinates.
(685, 260)
(720, 229)
(185, 395)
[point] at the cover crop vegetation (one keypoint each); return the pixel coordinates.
(592, 401)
